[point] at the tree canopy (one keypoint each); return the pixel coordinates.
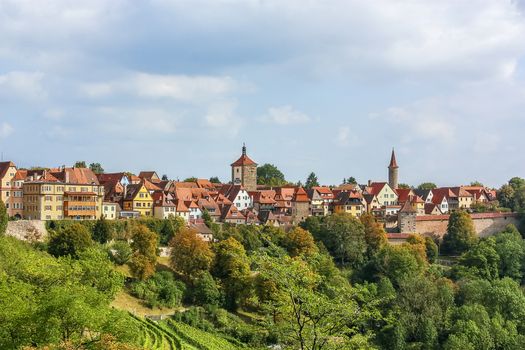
(268, 174)
(460, 235)
(311, 181)
(427, 186)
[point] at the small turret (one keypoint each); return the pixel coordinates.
(393, 173)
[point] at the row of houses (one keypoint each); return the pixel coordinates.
(80, 194)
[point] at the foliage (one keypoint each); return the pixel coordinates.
(399, 261)
(190, 254)
(144, 246)
(460, 235)
(344, 237)
(311, 181)
(351, 180)
(232, 267)
(160, 290)
(205, 290)
(80, 164)
(120, 252)
(431, 249)
(375, 235)
(404, 186)
(96, 168)
(48, 301)
(190, 179)
(102, 231)
(427, 186)
(299, 242)
(70, 241)
(215, 180)
(4, 218)
(268, 174)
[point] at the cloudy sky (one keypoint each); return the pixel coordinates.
(324, 86)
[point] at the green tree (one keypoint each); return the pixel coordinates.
(3, 218)
(404, 186)
(99, 272)
(427, 186)
(206, 217)
(344, 236)
(506, 196)
(165, 177)
(232, 266)
(268, 174)
(96, 168)
(215, 180)
(481, 261)
(190, 179)
(351, 180)
(511, 250)
(460, 235)
(476, 183)
(70, 241)
(398, 262)
(102, 231)
(205, 290)
(432, 249)
(190, 255)
(120, 252)
(311, 181)
(80, 164)
(299, 242)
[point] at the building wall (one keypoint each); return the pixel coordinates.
(300, 211)
(485, 224)
(5, 190)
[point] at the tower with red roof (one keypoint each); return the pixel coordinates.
(393, 169)
(244, 172)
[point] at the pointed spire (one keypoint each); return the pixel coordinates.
(243, 149)
(393, 162)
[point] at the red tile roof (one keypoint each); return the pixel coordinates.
(393, 162)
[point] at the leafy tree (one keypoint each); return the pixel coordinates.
(432, 249)
(96, 168)
(427, 186)
(460, 235)
(102, 231)
(205, 290)
(232, 266)
(300, 242)
(120, 252)
(160, 290)
(215, 180)
(170, 227)
(404, 186)
(344, 236)
(306, 318)
(375, 234)
(511, 250)
(268, 174)
(144, 246)
(506, 196)
(206, 217)
(80, 164)
(476, 183)
(70, 241)
(399, 261)
(165, 177)
(3, 218)
(190, 255)
(98, 272)
(481, 261)
(351, 180)
(190, 179)
(311, 181)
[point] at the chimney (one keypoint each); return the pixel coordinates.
(369, 183)
(66, 176)
(125, 190)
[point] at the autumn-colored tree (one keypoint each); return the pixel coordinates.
(300, 242)
(190, 255)
(232, 266)
(375, 234)
(144, 257)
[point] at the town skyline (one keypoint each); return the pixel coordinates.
(132, 84)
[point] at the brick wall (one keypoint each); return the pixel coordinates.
(486, 224)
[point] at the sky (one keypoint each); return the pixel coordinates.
(325, 86)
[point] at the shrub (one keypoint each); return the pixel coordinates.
(120, 252)
(161, 290)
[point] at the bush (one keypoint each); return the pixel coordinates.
(161, 290)
(205, 291)
(70, 241)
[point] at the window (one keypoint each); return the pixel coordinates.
(48, 199)
(7, 205)
(47, 207)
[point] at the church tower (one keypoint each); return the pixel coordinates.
(244, 172)
(393, 171)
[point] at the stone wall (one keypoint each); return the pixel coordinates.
(27, 230)
(486, 224)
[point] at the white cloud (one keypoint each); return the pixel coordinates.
(155, 86)
(145, 122)
(345, 137)
(285, 115)
(5, 130)
(223, 118)
(25, 85)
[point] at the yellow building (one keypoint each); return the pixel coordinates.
(350, 202)
(7, 173)
(71, 193)
(137, 198)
